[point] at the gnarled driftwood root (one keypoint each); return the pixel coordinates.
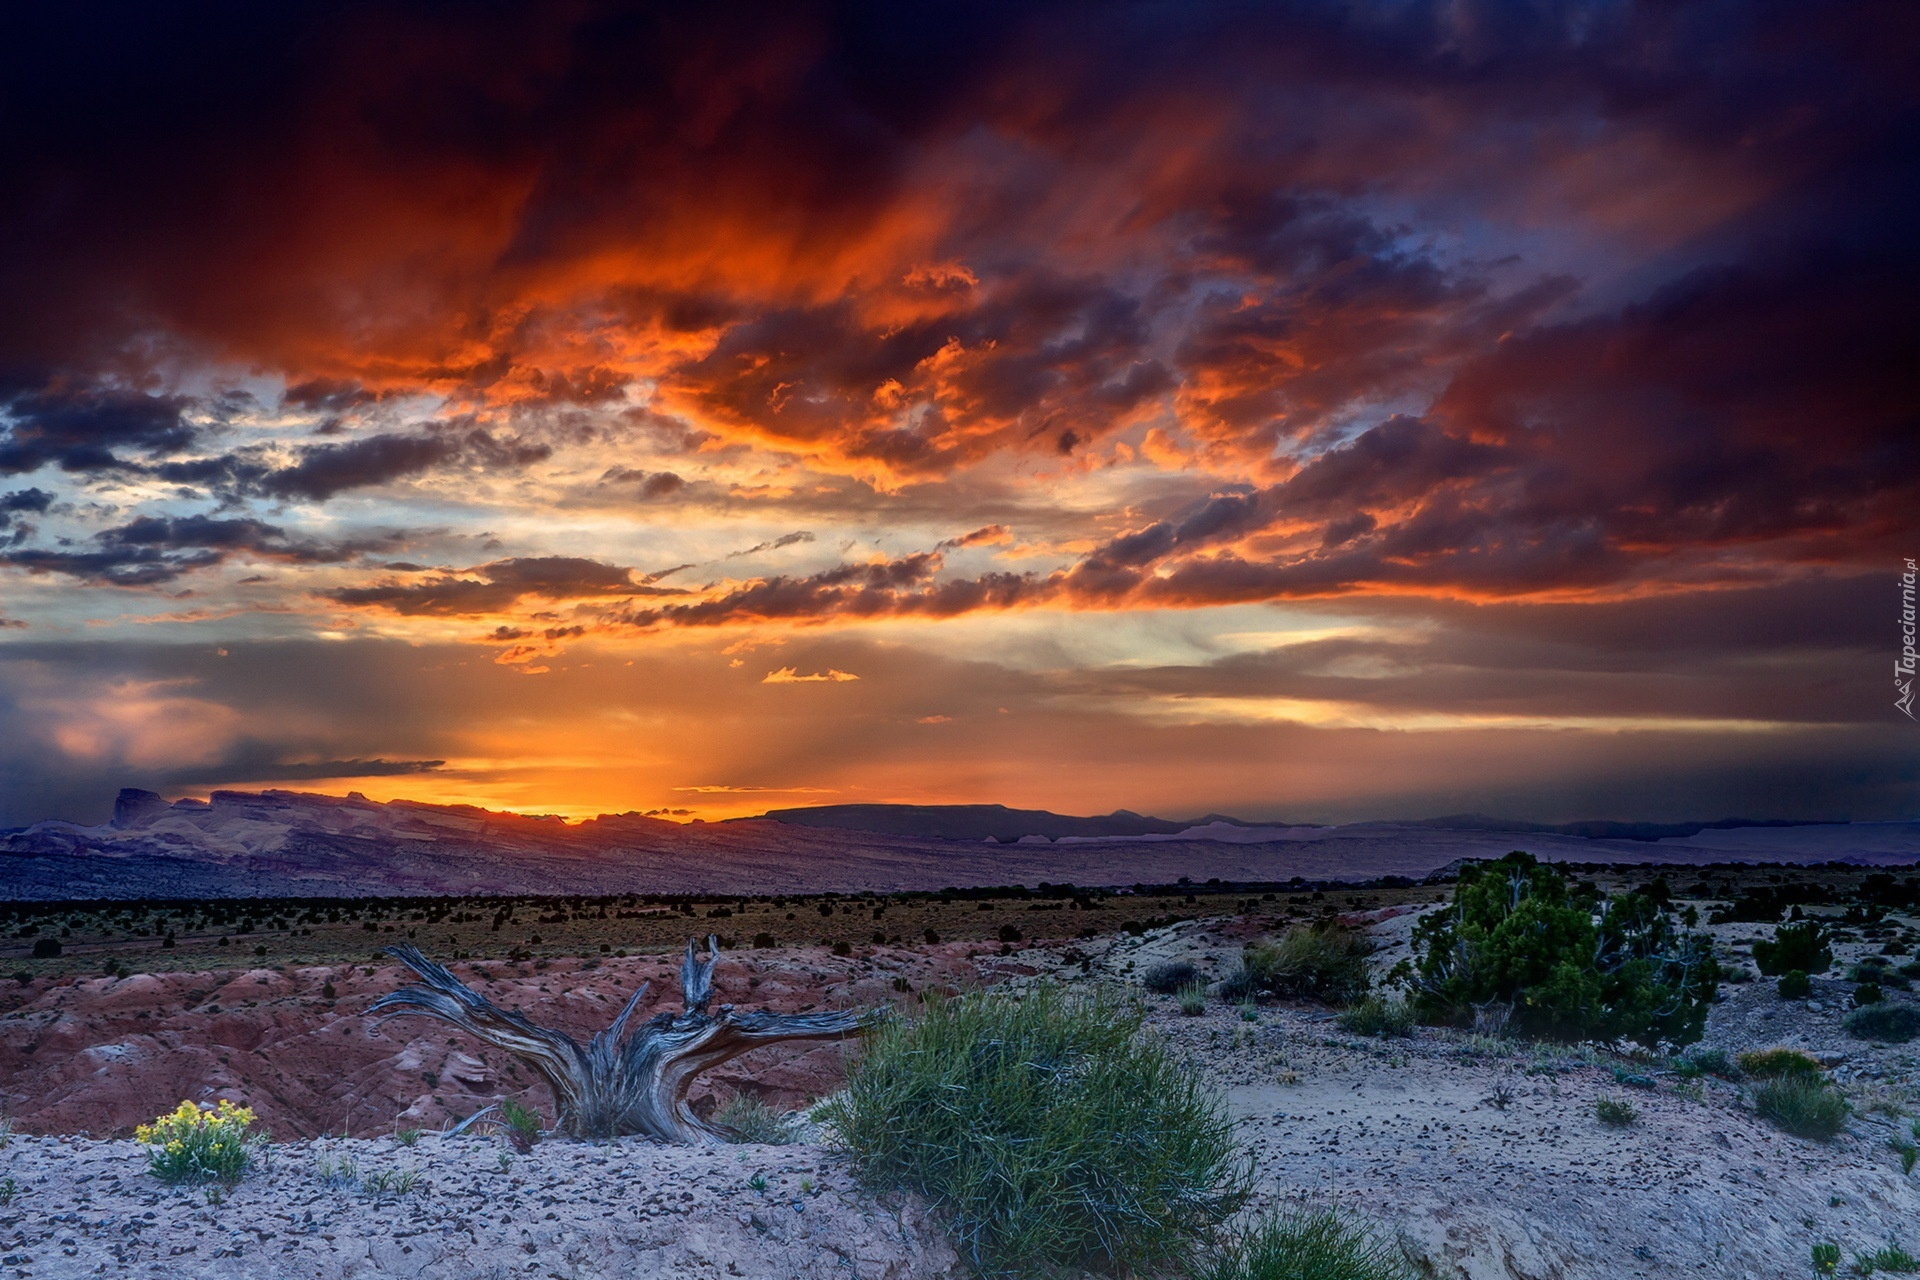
(621, 1082)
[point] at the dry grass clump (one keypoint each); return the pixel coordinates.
(1773, 1064)
(1802, 1107)
(1888, 1023)
(1325, 962)
(1305, 1246)
(1169, 977)
(748, 1119)
(1615, 1113)
(1377, 1016)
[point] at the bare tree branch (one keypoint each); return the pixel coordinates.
(622, 1082)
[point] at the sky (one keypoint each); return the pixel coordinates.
(1305, 411)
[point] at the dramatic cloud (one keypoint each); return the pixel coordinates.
(497, 586)
(1092, 342)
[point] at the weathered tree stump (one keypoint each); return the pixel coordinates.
(621, 1083)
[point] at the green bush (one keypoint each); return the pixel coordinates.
(1047, 1129)
(1169, 977)
(191, 1144)
(1305, 1246)
(1867, 993)
(1772, 1064)
(1794, 984)
(748, 1119)
(1802, 1107)
(1801, 946)
(1193, 999)
(1572, 963)
(1375, 1016)
(1889, 1023)
(1324, 962)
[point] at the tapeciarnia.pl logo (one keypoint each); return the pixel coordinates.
(1904, 664)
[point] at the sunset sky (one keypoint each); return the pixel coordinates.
(1310, 411)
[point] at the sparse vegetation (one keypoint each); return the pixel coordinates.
(1047, 1129)
(1802, 1107)
(406, 1137)
(195, 1145)
(1615, 1113)
(1772, 1064)
(1794, 984)
(751, 1120)
(1888, 1023)
(522, 1124)
(1170, 977)
(390, 1182)
(1325, 962)
(1571, 962)
(1803, 946)
(1706, 1061)
(1889, 1257)
(1826, 1258)
(1378, 1016)
(1193, 999)
(1303, 1245)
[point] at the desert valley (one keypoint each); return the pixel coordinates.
(1471, 1151)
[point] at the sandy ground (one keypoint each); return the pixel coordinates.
(1484, 1158)
(625, 1209)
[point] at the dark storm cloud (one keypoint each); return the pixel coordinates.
(152, 550)
(499, 585)
(83, 429)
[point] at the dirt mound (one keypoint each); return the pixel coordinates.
(100, 1055)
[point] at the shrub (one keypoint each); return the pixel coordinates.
(1324, 962)
(1826, 1258)
(751, 1120)
(1712, 1062)
(1169, 977)
(1802, 1107)
(1047, 1130)
(1888, 1023)
(1572, 963)
(46, 949)
(1801, 946)
(1867, 993)
(1794, 984)
(1615, 1113)
(192, 1145)
(1193, 999)
(1304, 1246)
(1772, 1064)
(522, 1124)
(1376, 1016)
(1889, 1257)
